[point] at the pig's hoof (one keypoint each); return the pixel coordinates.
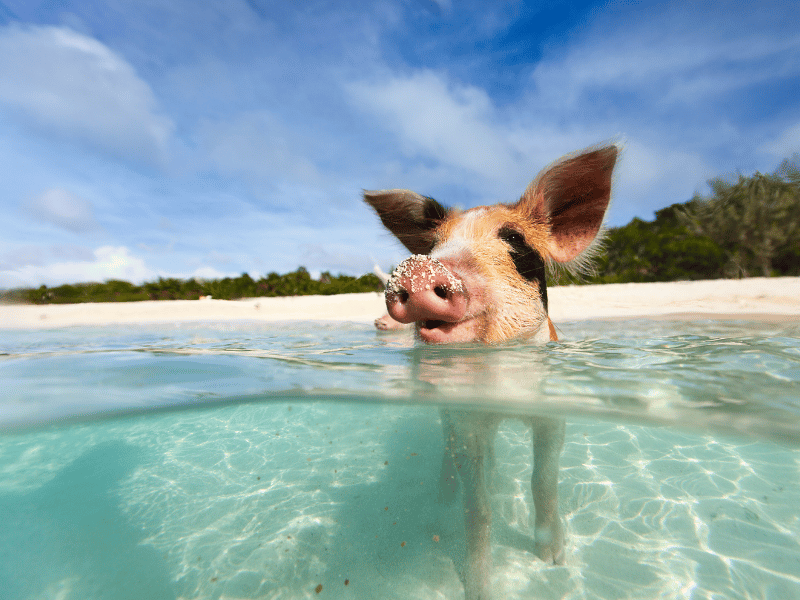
(550, 543)
(387, 323)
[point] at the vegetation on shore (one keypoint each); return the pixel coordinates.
(750, 227)
(298, 283)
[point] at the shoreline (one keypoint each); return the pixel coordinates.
(773, 299)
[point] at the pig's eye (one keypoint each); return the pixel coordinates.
(511, 237)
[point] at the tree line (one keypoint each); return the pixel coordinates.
(297, 283)
(743, 228)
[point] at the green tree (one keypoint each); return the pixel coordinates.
(660, 250)
(753, 220)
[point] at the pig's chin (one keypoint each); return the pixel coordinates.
(443, 332)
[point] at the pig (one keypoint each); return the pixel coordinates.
(479, 275)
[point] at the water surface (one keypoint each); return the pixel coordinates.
(262, 461)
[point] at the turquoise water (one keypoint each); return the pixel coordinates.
(262, 461)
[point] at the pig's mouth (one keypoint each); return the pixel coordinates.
(437, 331)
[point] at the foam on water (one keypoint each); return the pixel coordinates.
(263, 487)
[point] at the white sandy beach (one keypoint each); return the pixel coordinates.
(760, 298)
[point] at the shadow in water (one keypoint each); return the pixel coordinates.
(388, 526)
(68, 539)
(396, 536)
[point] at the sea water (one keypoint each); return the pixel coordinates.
(301, 460)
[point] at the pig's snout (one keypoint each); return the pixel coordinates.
(422, 289)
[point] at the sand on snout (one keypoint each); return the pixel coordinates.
(776, 298)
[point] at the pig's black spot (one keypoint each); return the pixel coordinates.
(527, 261)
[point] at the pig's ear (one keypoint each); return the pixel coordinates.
(572, 196)
(412, 218)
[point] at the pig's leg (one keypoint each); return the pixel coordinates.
(472, 436)
(548, 440)
(448, 478)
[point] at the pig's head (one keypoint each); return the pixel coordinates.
(479, 275)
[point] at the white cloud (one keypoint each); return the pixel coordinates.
(681, 55)
(108, 262)
(453, 124)
(459, 128)
(785, 144)
(63, 209)
(256, 145)
(460, 137)
(72, 85)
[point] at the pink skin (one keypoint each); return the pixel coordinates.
(422, 290)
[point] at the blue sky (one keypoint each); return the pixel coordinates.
(147, 138)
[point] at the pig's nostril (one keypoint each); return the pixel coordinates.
(403, 295)
(440, 291)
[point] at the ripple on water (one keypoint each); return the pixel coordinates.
(275, 498)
